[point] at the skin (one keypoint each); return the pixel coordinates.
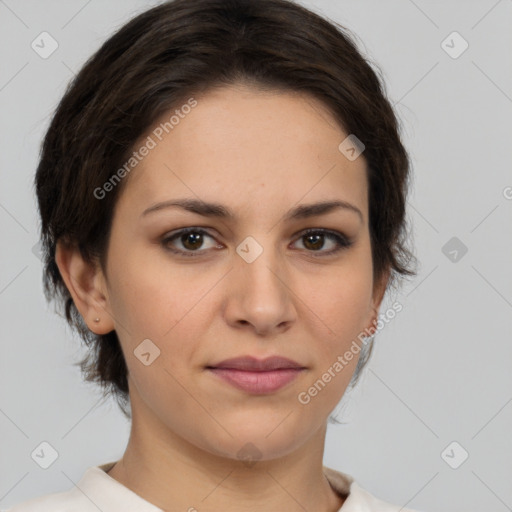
(259, 153)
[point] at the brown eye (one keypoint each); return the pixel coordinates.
(190, 239)
(314, 241)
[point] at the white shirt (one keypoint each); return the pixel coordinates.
(97, 491)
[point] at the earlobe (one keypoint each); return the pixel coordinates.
(86, 284)
(378, 296)
(380, 289)
(372, 326)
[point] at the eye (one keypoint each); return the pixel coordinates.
(191, 239)
(314, 241)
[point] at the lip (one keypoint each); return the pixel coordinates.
(257, 382)
(257, 376)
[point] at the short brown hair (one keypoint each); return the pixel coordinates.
(152, 64)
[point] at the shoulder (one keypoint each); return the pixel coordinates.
(96, 491)
(68, 501)
(358, 499)
(361, 497)
(85, 496)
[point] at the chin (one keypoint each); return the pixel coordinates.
(257, 441)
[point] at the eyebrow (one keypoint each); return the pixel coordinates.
(218, 210)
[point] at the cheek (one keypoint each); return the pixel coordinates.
(150, 295)
(342, 303)
(173, 310)
(348, 309)
(342, 300)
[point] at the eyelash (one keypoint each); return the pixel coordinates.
(342, 241)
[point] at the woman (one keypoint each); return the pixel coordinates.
(222, 196)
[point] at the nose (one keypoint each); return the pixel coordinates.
(259, 296)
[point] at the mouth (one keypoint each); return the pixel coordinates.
(257, 376)
(257, 382)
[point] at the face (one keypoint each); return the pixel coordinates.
(255, 283)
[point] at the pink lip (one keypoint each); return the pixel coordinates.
(257, 375)
(257, 382)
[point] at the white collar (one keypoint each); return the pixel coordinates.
(99, 491)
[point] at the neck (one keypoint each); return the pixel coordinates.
(173, 474)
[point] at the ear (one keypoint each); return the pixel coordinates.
(87, 285)
(379, 289)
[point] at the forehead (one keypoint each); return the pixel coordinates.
(247, 148)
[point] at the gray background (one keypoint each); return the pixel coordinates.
(441, 369)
